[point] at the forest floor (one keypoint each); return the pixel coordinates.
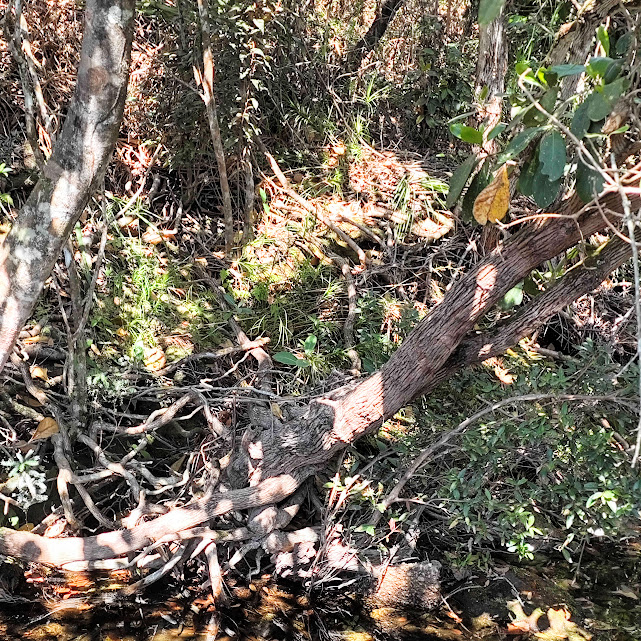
(348, 247)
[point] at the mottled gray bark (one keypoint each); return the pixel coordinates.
(490, 74)
(75, 169)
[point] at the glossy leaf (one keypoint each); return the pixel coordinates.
(604, 39)
(613, 91)
(310, 344)
(598, 107)
(287, 358)
(581, 120)
(466, 133)
(623, 43)
(552, 155)
(459, 179)
(544, 190)
(598, 66)
(526, 179)
(513, 298)
(496, 131)
(589, 182)
(562, 71)
(518, 144)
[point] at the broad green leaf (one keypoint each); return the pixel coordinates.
(526, 178)
(613, 71)
(567, 70)
(310, 343)
(513, 298)
(522, 67)
(544, 190)
(613, 91)
(598, 106)
(548, 101)
(597, 66)
(466, 133)
(589, 182)
(518, 144)
(489, 9)
(623, 43)
(581, 120)
(552, 155)
(287, 358)
(496, 131)
(459, 179)
(604, 39)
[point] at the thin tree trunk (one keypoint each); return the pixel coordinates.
(75, 169)
(490, 75)
(212, 117)
(374, 34)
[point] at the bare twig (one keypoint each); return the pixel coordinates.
(207, 81)
(212, 356)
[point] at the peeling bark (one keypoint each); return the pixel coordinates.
(75, 169)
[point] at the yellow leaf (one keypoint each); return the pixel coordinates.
(178, 464)
(46, 428)
(276, 411)
(39, 372)
(155, 359)
(492, 203)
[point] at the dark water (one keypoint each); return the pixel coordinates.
(603, 597)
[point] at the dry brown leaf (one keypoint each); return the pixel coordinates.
(39, 372)
(178, 464)
(627, 592)
(29, 400)
(492, 203)
(276, 411)
(46, 428)
(339, 148)
(504, 375)
(561, 628)
(155, 359)
(155, 236)
(522, 623)
(34, 340)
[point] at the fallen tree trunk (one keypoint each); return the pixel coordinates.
(75, 169)
(296, 449)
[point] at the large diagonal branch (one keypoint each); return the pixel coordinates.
(348, 413)
(306, 444)
(580, 280)
(75, 169)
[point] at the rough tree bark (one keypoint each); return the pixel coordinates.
(295, 449)
(490, 75)
(75, 169)
(574, 40)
